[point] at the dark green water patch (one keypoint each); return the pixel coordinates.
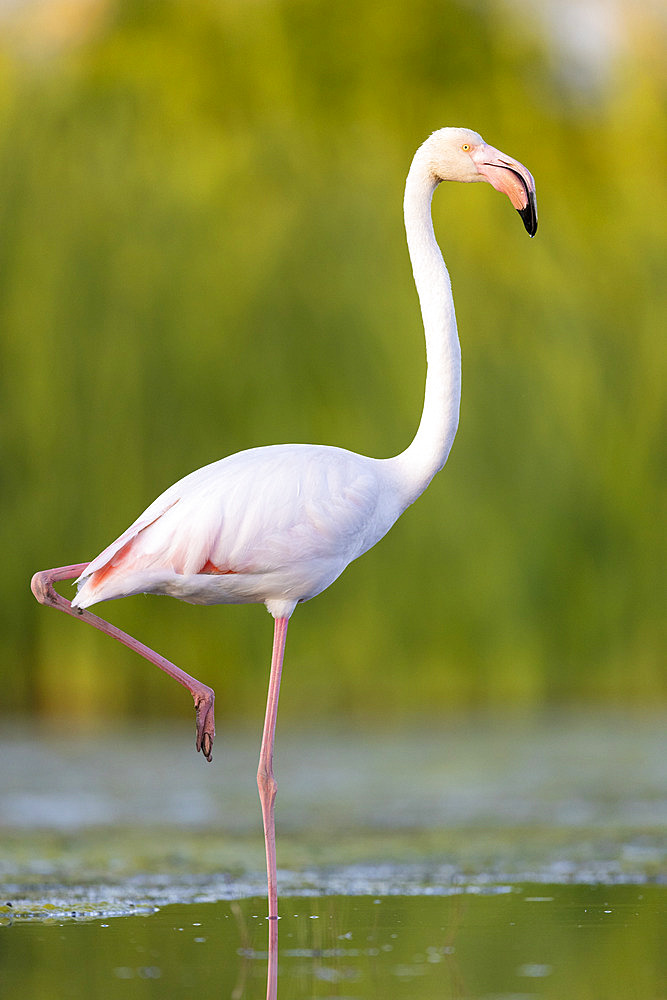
(483, 943)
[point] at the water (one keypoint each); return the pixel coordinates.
(503, 943)
(496, 859)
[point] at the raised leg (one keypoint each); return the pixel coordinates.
(203, 696)
(265, 779)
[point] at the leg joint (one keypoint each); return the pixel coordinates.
(266, 782)
(41, 587)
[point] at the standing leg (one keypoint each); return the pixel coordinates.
(265, 779)
(204, 696)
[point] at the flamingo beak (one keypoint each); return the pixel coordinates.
(512, 178)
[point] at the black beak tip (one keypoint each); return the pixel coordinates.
(529, 217)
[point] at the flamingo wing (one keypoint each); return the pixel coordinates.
(287, 517)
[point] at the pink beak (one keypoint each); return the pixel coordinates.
(512, 178)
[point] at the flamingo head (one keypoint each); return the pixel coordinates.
(459, 154)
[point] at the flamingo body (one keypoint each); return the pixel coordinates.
(279, 524)
(276, 525)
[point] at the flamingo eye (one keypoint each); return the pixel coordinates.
(466, 147)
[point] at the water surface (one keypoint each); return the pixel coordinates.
(504, 942)
(495, 858)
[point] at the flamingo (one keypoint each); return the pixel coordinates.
(278, 524)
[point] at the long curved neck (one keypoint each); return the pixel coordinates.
(428, 452)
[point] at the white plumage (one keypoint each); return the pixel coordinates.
(274, 525)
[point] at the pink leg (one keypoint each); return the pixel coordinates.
(265, 779)
(42, 588)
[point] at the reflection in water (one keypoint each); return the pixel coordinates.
(272, 967)
(248, 954)
(323, 959)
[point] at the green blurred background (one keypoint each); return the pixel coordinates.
(202, 250)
